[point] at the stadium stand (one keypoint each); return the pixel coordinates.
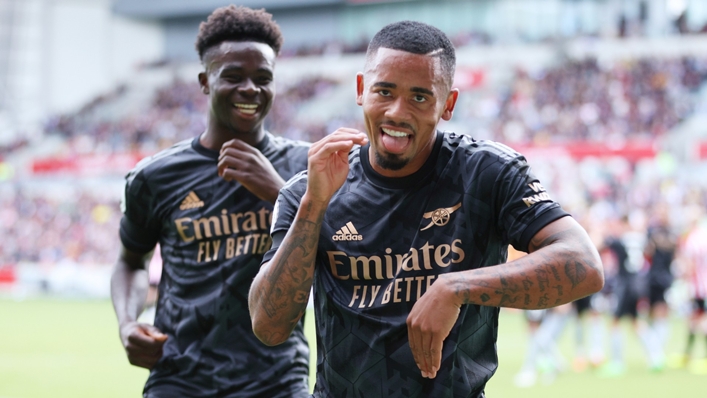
(589, 126)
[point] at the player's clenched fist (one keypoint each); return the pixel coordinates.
(329, 162)
(143, 344)
(241, 162)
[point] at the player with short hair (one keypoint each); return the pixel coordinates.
(208, 202)
(404, 238)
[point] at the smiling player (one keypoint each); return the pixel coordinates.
(208, 202)
(408, 307)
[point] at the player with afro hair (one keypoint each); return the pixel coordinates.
(238, 24)
(225, 181)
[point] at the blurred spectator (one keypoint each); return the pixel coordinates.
(581, 101)
(46, 229)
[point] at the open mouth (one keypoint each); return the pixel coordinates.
(395, 141)
(248, 109)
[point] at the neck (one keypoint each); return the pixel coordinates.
(216, 136)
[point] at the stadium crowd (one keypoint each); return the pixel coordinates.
(585, 101)
(48, 229)
(573, 102)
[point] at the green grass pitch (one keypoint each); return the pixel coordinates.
(66, 348)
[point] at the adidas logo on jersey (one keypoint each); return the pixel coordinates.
(191, 202)
(346, 233)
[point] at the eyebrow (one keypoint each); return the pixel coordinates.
(238, 69)
(420, 90)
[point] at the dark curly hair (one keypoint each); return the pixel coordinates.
(238, 24)
(417, 38)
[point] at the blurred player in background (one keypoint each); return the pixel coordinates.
(590, 331)
(544, 329)
(626, 242)
(543, 356)
(208, 202)
(405, 240)
(661, 244)
(694, 254)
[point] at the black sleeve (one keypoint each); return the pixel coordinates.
(525, 207)
(285, 211)
(139, 229)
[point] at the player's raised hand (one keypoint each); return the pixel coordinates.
(429, 323)
(328, 163)
(241, 162)
(143, 343)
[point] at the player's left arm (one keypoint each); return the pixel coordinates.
(241, 162)
(562, 266)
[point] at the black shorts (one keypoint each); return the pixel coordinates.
(699, 306)
(656, 294)
(626, 295)
(582, 305)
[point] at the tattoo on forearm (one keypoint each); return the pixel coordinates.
(543, 279)
(556, 273)
(575, 271)
(301, 296)
(290, 283)
(542, 302)
(559, 290)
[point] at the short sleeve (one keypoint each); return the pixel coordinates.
(525, 207)
(139, 230)
(285, 210)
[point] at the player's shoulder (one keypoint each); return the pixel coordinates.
(177, 153)
(468, 153)
(282, 144)
(469, 145)
(297, 184)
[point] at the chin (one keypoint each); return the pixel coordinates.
(391, 162)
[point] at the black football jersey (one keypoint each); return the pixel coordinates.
(384, 242)
(212, 235)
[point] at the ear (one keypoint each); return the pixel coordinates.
(450, 103)
(359, 88)
(204, 83)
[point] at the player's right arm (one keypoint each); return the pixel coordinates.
(279, 293)
(142, 342)
(139, 233)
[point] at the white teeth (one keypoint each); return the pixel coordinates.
(248, 109)
(393, 133)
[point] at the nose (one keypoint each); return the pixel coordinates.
(397, 110)
(248, 87)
